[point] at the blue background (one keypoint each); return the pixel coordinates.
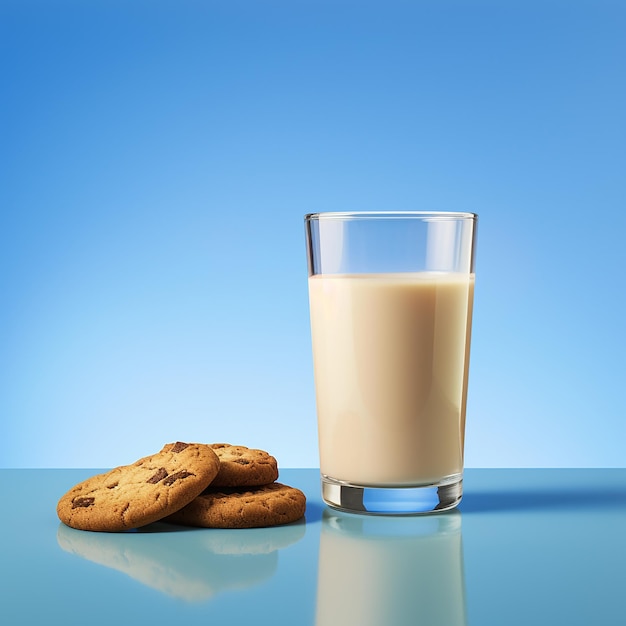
(157, 158)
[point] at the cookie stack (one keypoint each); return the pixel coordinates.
(244, 493)
(211, 486)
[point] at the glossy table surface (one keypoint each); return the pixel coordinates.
(524, 547)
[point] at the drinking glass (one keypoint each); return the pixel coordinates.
(391, 298)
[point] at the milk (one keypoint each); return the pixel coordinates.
(391, 358)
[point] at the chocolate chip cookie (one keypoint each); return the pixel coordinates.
(268, 505)
(134, 495)
(243, 467)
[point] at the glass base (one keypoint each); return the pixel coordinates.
(432, 498)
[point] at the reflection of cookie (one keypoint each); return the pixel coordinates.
(268, 505)
(175, 563)
(192, 566)
(146, 491)
(243, 467)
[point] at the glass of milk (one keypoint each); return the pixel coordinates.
(391, 297)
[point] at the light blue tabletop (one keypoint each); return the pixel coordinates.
(528, 547)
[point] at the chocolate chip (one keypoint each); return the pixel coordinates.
(170, 480)
(242, 461)
(82, 502)
(158, 477)
(179, 446)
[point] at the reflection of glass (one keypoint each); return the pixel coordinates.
(390, 570)
(193, 565)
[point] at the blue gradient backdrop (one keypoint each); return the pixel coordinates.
(157, 158)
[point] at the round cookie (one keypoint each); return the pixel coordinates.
(134, 495)
(268, 505)
(243, 467)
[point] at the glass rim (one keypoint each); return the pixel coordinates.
(390, 215)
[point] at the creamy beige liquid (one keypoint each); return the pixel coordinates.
(391, 356)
